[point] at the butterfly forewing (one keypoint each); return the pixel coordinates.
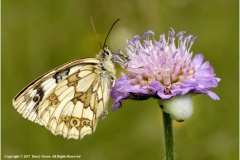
(70, 99)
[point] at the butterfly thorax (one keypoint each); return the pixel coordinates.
(106, 64)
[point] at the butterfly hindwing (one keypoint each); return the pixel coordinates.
(68, 100)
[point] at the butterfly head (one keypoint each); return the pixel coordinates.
(106, 53)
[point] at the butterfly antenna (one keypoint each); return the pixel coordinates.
(110, 31)
(96, 33)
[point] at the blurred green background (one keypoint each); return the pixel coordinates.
(39, 35)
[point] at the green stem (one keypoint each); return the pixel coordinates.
(168, 135)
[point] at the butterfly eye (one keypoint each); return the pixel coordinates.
(106, 53)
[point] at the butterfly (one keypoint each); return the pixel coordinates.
(70, 99)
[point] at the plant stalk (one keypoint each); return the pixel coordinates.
(168, 136)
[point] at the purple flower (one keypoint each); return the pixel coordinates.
(161, 69)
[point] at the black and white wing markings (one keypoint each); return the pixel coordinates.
(78, 113)
(68, 100)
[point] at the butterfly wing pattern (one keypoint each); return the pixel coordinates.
(71, 99)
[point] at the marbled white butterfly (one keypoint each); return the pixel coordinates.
(70, 99)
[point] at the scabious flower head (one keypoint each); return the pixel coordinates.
(162, 69)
